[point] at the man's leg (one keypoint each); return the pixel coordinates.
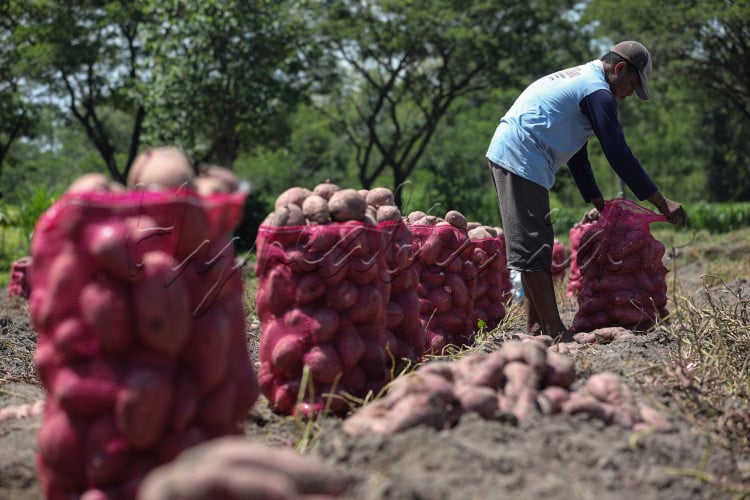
(533, 327)
(539, 290)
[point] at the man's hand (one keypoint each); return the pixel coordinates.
(674, 211)
(598, 203)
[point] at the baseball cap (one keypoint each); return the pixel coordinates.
(638, 56)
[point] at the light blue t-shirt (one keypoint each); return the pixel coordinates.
(545, 127)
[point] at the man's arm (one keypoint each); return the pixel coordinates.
(580, 167)
(601, 109)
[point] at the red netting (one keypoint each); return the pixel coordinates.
(623, 278)
(560, 260)
(322, 298)
(574, 280)
(19, 286)
(493, 288)
(138, 306)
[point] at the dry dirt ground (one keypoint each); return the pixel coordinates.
(558, 456)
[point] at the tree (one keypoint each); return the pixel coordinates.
(18, 116)
(226, 75)
(702, 46)
(397, 66)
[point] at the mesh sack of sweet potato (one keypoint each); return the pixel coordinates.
(574, 278)
(623, 279)
(404, 330)
(137, 302)
(448, 277)
(321, 300)
(18, 285)
(493, 288)
(560, 260)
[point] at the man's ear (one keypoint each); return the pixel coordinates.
(620, 66)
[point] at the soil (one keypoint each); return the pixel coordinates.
(557, 456)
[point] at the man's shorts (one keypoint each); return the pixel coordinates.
(525, 212)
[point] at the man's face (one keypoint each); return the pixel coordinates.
(623, 82)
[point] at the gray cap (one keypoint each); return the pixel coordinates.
(638, 56)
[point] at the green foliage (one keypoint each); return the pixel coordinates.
(225, 75)
(33, 204)
(718, 217)
(405, 63)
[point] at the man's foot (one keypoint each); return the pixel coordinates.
(563, 337)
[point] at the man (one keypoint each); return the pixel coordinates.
(548, 126)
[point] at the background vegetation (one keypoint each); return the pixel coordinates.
(401, 93)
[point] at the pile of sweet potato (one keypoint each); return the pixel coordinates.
(518, 380)
(137, 301)
(623, 278)
(233, 467)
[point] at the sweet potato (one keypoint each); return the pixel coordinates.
(67, 275)
(74, 340)
(440, 300)
(216, 409)
(388, 213)
(369, 306)
(323, 324)
(458, 290)
(277, 291)
(86, 389)
(478, 399)
(236, 468)
(295, 195)
(144, 405)
(560, 370)
(60, 442)
(374, 362)
(413, 410)
(105, 308)
(551, 399)
(107, 454)
(380, 196)
(342, 296)
(325, 365)
(315, 209)
(347, 205)
(310, 287)
(414, 216)
(456, 219)
(163, 167)
(489, 372)
(161, 305)
(186, 400)
(287, 354)
(326, 189)
(288, 215)
(350, 347)
(207, 349)
(394, 314)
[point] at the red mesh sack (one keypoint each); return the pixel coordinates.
(18, 285)
(137, 302)
(574, 235)
(404, 330)
(560, 260)
(321, 300)
(493, 288)
(623, 278)
(446, 287)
